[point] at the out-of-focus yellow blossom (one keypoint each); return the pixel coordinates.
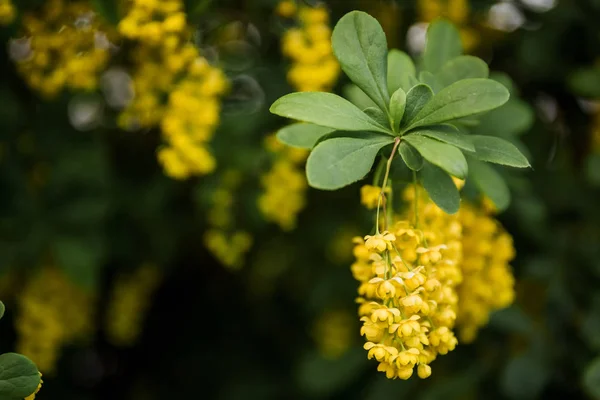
(369, 195)
(68, 47)
(339, 250)
(175, 87)
(129, 303)
(228, 244)
(456, 11)
(52, 313)
(287, 8)
(407, 298)
(7, 12)
(488, 282)
(284, 185)
(32, 396)
(333, 333)
(314, 68)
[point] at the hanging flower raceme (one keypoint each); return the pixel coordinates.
(407, 299)
(488, 282)
(175, 87)
(308, 46)
(52, 312)
(284, 186)
(7, 12)
(65, 45)
(129, 303)
(226, 243)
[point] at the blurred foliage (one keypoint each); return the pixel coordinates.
(90, 199)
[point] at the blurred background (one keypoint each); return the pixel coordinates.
(156, 242)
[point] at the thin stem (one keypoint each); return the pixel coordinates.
(385, 179)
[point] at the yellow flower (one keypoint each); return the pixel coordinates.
(7, 12)
(287, 8)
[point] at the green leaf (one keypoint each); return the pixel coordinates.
(2, 309)
(19, 377)
(338, 162)
(357, 96)
(591, 378)
(397, 107)
(462, 67)
(489, 182)
(445, 156)
(461, 99)
(447, 134)
(440, 187)
(430, 80)
(416, 99)
(360, 45)
(411, 157)
(401, 71)
(377, 115)
(525, 377)
(302, 135)
(513, 118)
(325, 109)
(443, 44)
(498, 151)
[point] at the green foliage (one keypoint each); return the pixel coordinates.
(397, 107)
(489, 182)
(416, 98)
(591, 378)
(461, 99)
(498, 151)
(401, 71)
(2, 309)
(445, 156)
(440, 188)
(338, 162)
(462, 67)
(443, 44)
(325, 109)
(302, 135)
(19, 377)
(447, 134)
(411, 157)
(360, 45)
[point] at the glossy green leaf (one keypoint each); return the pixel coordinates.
(416, 99)
(357, 96)
(338, 162)
(513, 118)
(401, 71)
(377, 115)
(430, 80)
(2, 309)
(461, 99)
(498, 151)
(360, 45)
(302, 135)
(19, 377)
(489, 182)
(397, 107)
(325, 109)
(447, 134)
(443, 44)
(440, 187)
(462, 67)
(445, 156)
(411, 157)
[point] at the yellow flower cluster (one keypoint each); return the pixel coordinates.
(52, 313)
(488, 282)
(314, 68)
(456, 11)
(39, 387)
(284, 185)
(174, 86)
(67, 47)
(333, 333)
(7, 12)
(129, 303)
(226, 243)
(407, 299)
